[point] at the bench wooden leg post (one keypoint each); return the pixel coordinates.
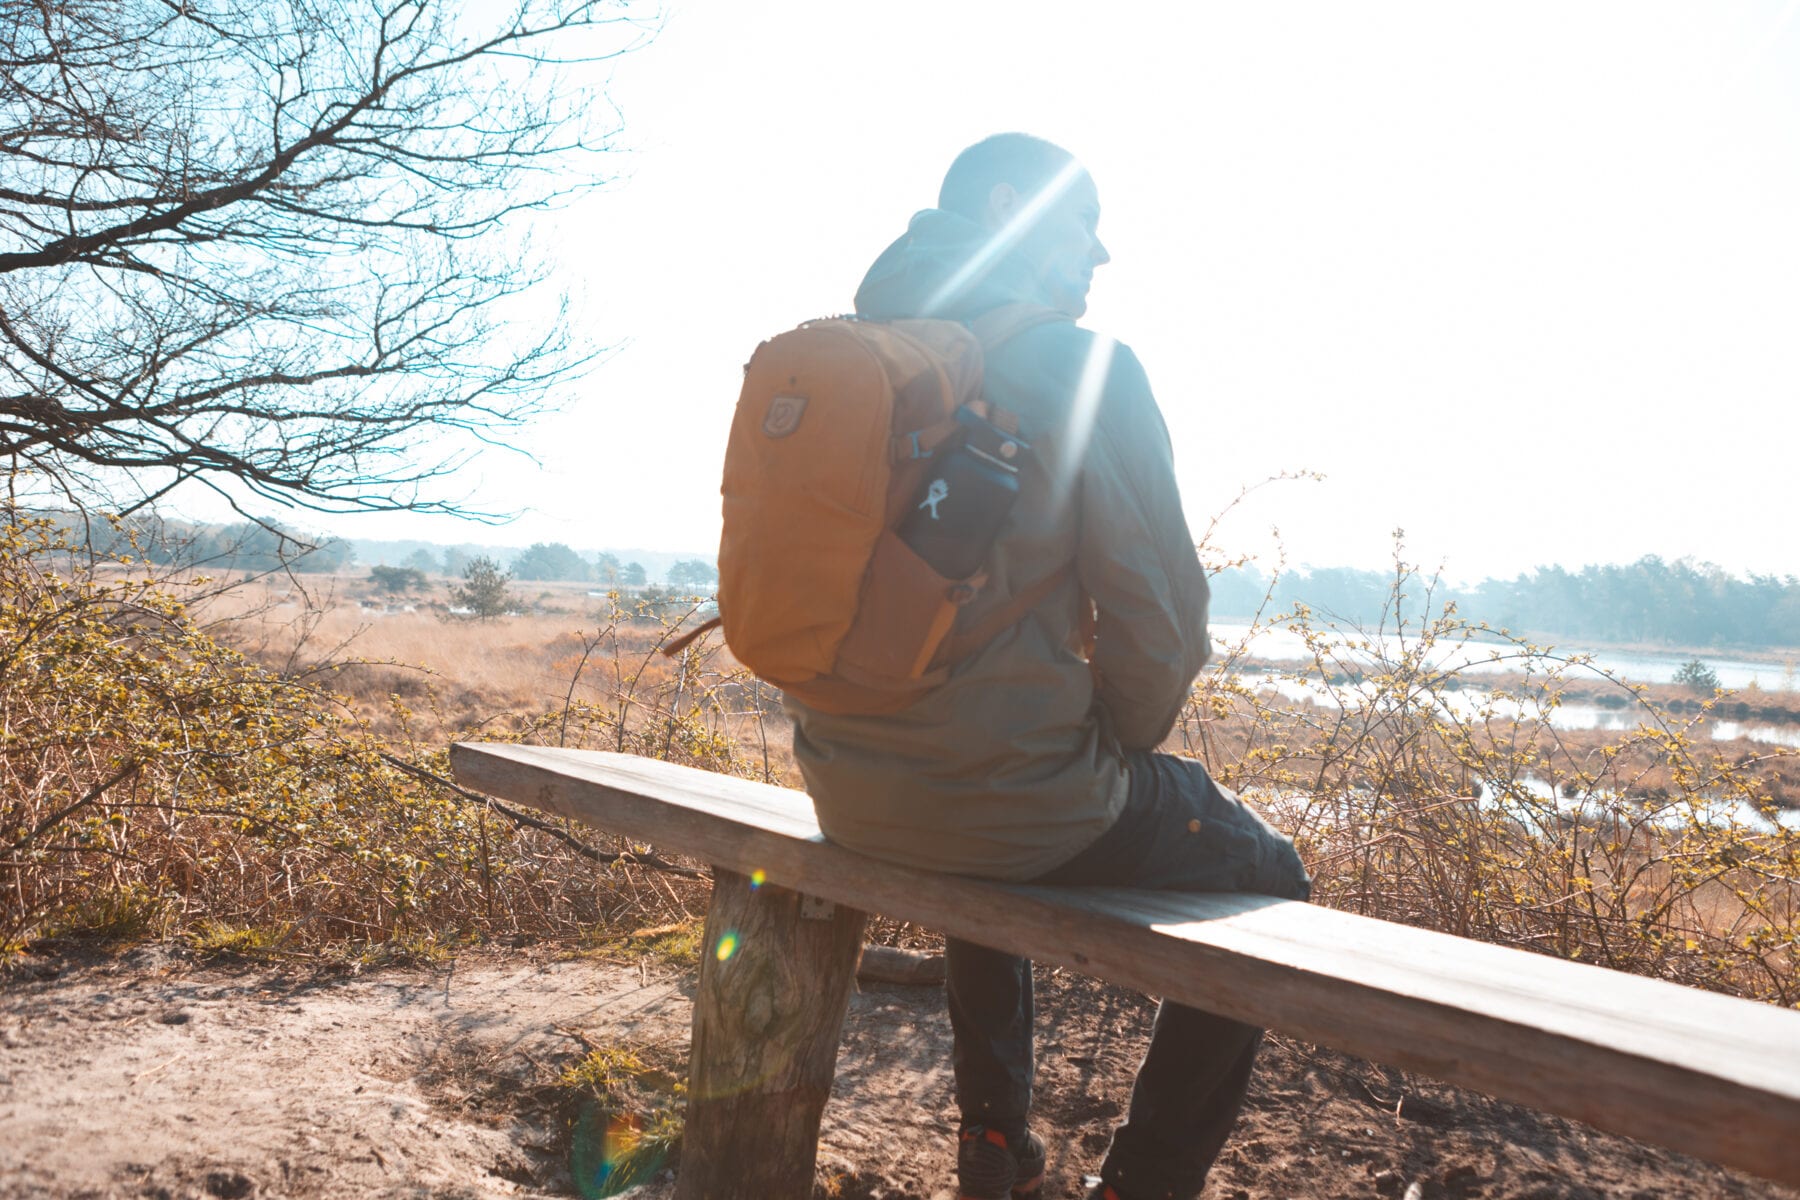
(776, 971)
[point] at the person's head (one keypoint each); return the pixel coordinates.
(1038, 203)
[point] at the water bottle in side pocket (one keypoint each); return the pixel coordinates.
(966, 498)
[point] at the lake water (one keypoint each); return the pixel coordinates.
(1710, 812)
(1282, 645)
(1533, 800)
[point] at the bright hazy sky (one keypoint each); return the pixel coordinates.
(1522, 279)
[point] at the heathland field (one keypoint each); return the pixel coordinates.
(262, 764)
(251, 776)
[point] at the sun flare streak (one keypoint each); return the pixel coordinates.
(1003, 239)
(1083, 412)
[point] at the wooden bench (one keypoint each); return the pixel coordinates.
(1707, 1074)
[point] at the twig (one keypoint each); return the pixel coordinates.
(145, 1074)
(587, 1043)
(677, 899)
(94, 793)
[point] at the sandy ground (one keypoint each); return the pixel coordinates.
(144, 1074)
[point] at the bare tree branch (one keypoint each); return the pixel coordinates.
(273, 247)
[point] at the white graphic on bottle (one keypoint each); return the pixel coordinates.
(934, 495)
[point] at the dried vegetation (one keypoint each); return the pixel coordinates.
(264, 767)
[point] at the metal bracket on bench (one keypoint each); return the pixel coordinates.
(814, 909)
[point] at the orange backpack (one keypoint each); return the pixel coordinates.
(833, 436)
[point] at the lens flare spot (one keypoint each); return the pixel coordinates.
(727, 946)
(611, 1153)
(757, 877)
(622, 1135)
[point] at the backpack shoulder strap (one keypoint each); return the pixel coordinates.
(992, 329)
(674, 648)
(1000, 325)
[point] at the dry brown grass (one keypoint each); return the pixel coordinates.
(1419, 799)
(180, 760)
(1582, 843)
(419, 676)
(327, 827)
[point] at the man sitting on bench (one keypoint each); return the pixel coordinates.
(1033, 763)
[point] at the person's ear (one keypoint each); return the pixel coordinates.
(1002, 202)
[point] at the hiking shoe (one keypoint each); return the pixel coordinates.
(990, 1168)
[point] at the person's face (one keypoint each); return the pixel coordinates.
(1059, 237)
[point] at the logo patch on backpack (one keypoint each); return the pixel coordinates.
(784, 415)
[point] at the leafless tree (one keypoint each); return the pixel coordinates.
(273, 247)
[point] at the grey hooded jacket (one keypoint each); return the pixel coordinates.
(1017, 763)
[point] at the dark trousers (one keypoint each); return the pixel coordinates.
(1179, 831)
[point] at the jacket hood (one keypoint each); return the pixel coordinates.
(942, 267)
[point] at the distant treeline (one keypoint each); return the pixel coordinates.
(1679, 603)
(253, 547)
(245, 546)
(1674, 603)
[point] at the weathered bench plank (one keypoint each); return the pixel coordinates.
(1708, 1074)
